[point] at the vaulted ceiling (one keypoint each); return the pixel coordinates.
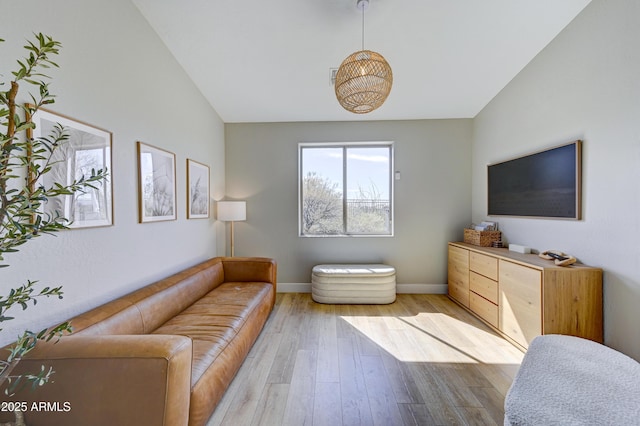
(271, 61)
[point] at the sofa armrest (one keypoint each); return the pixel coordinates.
(108, 380)
(250, 269)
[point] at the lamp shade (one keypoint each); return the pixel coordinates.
(230, 211)
(363, 82)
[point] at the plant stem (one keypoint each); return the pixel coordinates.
(11, 129)
(11, 126)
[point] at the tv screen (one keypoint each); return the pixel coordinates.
(544, 184)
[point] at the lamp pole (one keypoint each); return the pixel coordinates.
(232, 233)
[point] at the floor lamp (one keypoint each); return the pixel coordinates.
(232, 211)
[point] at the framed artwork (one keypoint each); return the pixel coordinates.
(88, 147)
(197, 190)
(156, 184)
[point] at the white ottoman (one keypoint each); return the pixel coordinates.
(353, 284)
(569, 381)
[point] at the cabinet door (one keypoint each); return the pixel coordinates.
(458, 274)
(520, 305)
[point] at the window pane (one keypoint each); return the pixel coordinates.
(322, 183)
(346, 189)
(368, 190)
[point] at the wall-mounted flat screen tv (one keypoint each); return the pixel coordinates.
(545, 184)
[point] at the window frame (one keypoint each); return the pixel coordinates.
(345, 146)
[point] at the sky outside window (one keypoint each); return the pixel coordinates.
(367, 168)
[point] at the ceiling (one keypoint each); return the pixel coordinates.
(270, 61)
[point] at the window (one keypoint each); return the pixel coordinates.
(346, 189)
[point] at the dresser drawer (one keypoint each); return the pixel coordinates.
(484, 265)
(484, 309)
(484, 287)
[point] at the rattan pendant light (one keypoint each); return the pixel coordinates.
(364, 78)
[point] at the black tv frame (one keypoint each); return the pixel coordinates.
(545, 184)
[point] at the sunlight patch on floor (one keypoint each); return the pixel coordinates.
(433, 338)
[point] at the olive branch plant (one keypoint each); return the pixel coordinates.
(23, 162)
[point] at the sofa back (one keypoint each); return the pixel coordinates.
(148, 308)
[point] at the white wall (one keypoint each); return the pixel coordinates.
(115, 74)
(432, 199)
(584, 85)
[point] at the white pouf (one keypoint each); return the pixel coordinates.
(570, 381)
(353, 284)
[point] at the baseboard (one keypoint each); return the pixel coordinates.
(400, 288)
(294, 287)
(421, 288)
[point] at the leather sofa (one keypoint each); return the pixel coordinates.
(162, 355)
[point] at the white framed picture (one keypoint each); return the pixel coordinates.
(86, 148)
(156, 184)
(197, 190)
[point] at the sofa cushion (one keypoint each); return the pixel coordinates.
(145, 309)
(119, 316)
(214, 320)
(168, 297)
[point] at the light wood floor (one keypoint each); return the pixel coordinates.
(422, 360)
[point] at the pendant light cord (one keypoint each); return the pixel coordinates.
(363, 8)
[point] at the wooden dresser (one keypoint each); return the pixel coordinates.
(522, 296)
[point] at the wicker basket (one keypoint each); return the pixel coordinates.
(481, 238)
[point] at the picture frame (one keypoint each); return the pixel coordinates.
(88, 147)
(197, 190)
(156, 184)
